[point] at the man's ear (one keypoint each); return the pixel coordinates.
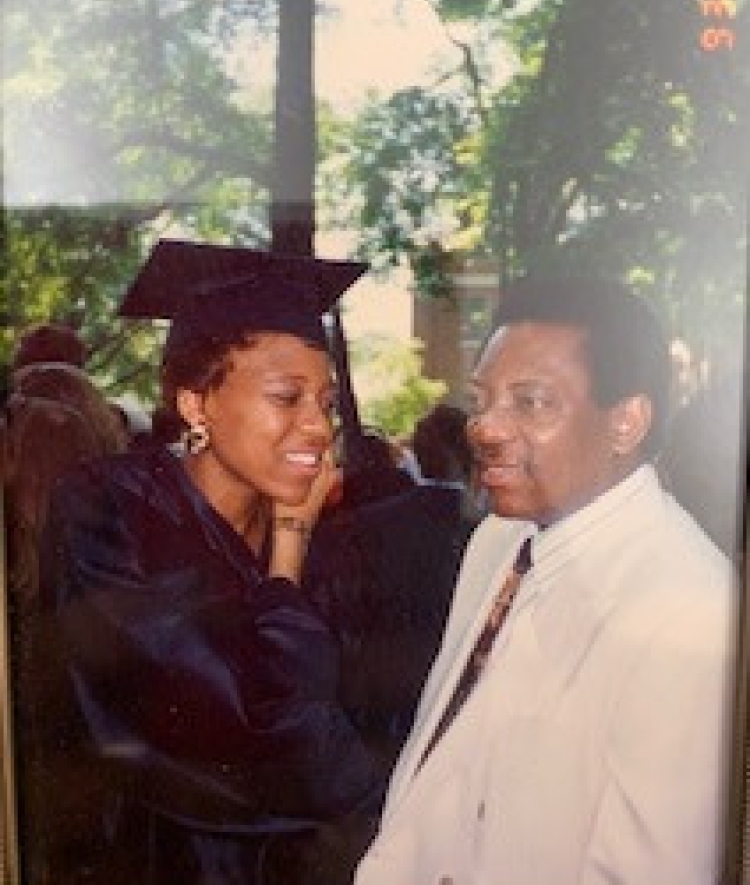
(190, 406)
(629, 423)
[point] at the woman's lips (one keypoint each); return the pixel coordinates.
(306, 462)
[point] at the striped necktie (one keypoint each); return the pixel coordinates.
(483, 646)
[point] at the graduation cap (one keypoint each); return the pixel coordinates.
(208, 289)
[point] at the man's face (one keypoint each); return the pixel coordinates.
(543, 446)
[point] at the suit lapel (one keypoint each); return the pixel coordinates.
(561, 609)
(493, 551)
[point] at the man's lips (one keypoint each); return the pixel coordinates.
(495, 474)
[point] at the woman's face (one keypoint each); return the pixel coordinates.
(269, 420)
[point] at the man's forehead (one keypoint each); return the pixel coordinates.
(532, 340)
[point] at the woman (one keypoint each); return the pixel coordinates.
(200, 676)
(56, 419)
(48, 401)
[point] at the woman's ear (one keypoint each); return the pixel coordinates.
(629, 424)
(190, 406)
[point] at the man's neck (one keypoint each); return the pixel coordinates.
(612, 480)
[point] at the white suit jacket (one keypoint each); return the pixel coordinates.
(595, 746)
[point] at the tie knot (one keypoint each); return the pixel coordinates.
(523, 559)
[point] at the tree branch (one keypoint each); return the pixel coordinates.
(218, 157)
(468, 66)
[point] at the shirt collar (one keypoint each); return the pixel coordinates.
(559, 538)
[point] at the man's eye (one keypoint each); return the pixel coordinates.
(533, 401)
(530, 401)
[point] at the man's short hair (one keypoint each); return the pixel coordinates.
(625, 346)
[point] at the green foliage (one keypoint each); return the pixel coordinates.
(71, 266)
(119, 123)
(612, 150)
(392, 391)
(122, 103)
(628, 171)
(411, 163)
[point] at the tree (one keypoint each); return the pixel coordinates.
(119, 121)
(68, 266)
(609, 150)
(295, 151)
(629, 171)
(393, 392)
(412, 163)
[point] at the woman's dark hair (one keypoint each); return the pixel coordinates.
(196, 362)
(199, 361)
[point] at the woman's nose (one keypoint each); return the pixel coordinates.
(316, 420)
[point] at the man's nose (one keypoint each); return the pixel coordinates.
(495, 423)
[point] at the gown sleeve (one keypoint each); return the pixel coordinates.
(220, 697)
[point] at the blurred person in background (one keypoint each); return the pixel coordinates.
(49, 343)
(383, 572)
(440, 445)
(371, 472)
(382, 568)
(55, 419)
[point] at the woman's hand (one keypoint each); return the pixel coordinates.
(309, 510)
(292, 525)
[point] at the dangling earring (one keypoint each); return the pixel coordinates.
(196, 439)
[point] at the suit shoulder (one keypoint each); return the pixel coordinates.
(681, 583)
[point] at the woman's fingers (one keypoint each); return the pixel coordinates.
(322, 487)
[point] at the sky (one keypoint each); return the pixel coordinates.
(369, 46)
(360, 46)
(389, 44)
(381, 45)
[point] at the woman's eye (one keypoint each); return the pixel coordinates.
(285, 397)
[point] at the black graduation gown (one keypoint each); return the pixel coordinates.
(197, 736)
(383, 574)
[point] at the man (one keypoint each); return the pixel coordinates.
(592, 747)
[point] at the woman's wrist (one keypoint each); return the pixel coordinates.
(290, 537)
